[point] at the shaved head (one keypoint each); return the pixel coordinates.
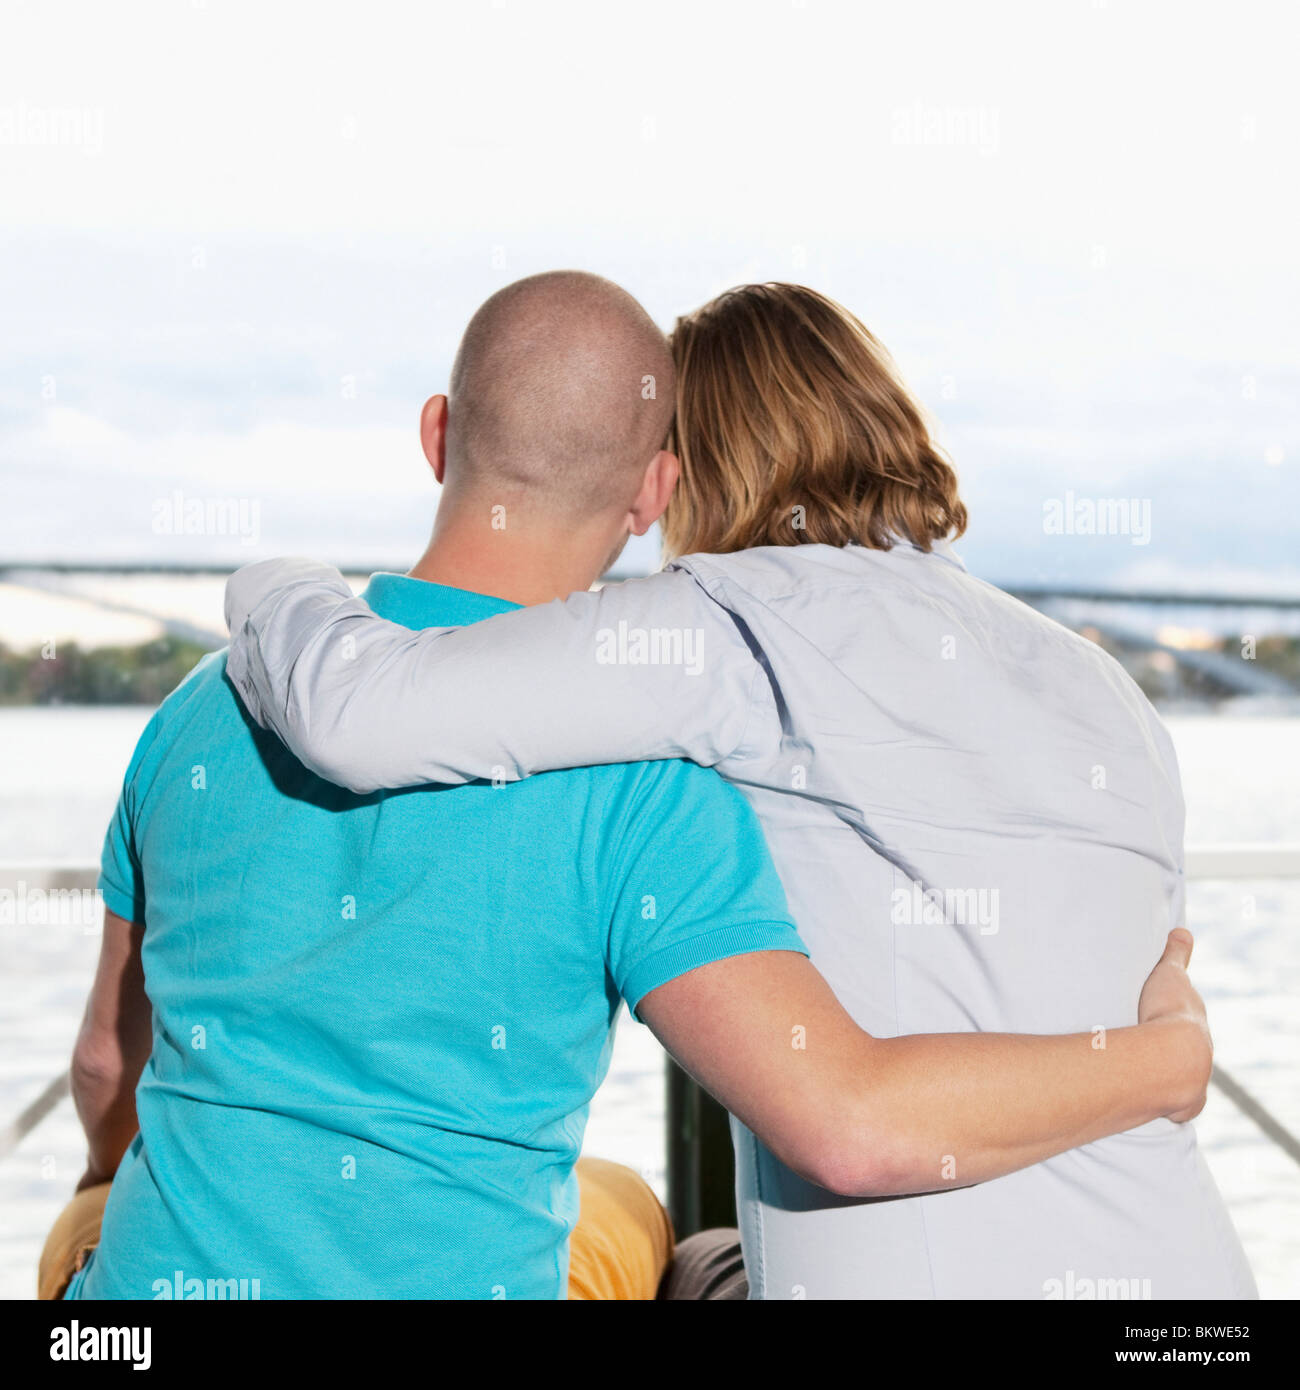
(562, 388)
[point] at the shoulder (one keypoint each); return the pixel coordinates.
(772, 571)
(205, 683)
(675, 799)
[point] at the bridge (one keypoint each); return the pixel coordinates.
(1077, 607)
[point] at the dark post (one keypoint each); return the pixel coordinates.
(701, 1169)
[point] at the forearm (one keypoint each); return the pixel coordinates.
(370, 704)
(112, 1048)
(954, 1109)
(104, 1098)
(866, 1116)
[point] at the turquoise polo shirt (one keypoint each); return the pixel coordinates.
(379, 1020)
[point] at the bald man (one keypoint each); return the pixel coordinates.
(549, 443)
(343, 1045)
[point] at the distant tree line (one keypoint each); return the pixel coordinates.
(1280, 654)
(65, 674)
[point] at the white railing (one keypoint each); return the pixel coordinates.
(1243, 861)
(1203, 862)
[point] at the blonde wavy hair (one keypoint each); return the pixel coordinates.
(793, 427)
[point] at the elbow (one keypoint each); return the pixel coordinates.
(97, 1067)
(331, 759)
(857, 1160)
(852, 1174)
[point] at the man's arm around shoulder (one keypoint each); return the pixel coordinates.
(866, 1116)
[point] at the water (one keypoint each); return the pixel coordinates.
(62, 771)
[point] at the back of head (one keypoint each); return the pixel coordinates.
(562, 391)
(793, 427)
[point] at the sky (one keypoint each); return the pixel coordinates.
(240, 241)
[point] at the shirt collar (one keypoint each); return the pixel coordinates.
(416, 603)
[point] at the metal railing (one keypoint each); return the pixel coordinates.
(700, 1170)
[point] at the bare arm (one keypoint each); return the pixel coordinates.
(112, 1047)
(867, 1116)
(370, 704)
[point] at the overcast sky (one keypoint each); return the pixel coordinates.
(241, 241)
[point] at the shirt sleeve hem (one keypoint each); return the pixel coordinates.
(719, 944)
(128, 907)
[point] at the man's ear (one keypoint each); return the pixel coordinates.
(656, 488)
(433, 434)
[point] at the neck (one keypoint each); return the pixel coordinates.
(529, 561)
